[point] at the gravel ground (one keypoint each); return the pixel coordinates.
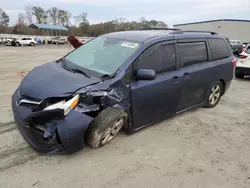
(205, 148)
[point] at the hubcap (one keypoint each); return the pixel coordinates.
(112, 131)
(214, 95)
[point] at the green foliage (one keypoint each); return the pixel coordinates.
(40, 14)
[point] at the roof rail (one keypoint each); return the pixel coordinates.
(194, 31)
(172, 29)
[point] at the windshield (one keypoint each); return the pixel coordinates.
(103, 54)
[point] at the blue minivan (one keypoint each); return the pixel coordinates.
(128, 80)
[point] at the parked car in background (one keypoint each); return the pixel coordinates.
(244, 45)
(62, 41)
(26, 41)
(129, 80)
(243, 65)
(54, 40)
(7, 40)
(236, 46)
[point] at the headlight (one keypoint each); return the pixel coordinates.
(65, 105)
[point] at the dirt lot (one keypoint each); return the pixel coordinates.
(205, 148)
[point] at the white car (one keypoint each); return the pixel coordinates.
(243, 65)
(26, 41)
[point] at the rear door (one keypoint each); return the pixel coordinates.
(154, 100)
(196, 70)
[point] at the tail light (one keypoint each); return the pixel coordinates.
(241, 56)
(234, 62)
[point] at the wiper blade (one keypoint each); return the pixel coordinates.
(106, 76)
(80, 72)
(74, 70)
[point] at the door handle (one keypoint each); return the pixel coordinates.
(175, 79)
(185, 75)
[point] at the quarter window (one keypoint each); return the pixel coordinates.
(219, 49)
(192, 53)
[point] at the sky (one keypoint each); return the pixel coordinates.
(171, 12)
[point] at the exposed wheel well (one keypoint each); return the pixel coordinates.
(223, 85)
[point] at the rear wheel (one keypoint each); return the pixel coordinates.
(214, 95)
(236, 55)
(105, 126)
(32, 44)
(239, 75)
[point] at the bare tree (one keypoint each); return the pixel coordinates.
(21, 18)
(81, 19)
(29, 15)
(53, 14)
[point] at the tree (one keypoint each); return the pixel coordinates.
(162, 24)
(53, 14)
(20, 27)
(29, 15)
(21, 18)
(81, 19)
(40, 14)
(4, 18)
(64, 17)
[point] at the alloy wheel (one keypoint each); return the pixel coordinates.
(214, 95)
(112, 131)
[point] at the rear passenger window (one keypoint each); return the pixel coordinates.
(158, 58)
(219, 49)
(192, 53)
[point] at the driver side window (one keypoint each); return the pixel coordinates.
(160, 58)
(149, 59)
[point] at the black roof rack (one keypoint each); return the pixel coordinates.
(194, 31)
(171, 29)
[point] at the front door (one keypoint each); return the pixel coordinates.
(155, 100)
(196, 70)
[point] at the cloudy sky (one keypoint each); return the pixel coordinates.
(171, 12)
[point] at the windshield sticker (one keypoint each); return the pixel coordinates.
(129, 45)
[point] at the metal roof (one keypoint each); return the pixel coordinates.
(48, 27)
(231, 20)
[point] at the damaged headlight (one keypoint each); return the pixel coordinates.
(65, 105)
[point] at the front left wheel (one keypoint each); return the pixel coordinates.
(105, 126)
(214, 95)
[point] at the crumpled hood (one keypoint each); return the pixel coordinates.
(52, 80)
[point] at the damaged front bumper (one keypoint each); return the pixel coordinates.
(58, 135)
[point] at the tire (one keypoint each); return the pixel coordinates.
(236, 55)
(239, 75)
(105, 126)
(18, 44)
(32, 44)
(214, 95)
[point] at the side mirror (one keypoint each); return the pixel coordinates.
(145, 74)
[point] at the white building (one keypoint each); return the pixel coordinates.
(231, 28)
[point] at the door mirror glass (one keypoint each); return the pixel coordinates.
(145, 74)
